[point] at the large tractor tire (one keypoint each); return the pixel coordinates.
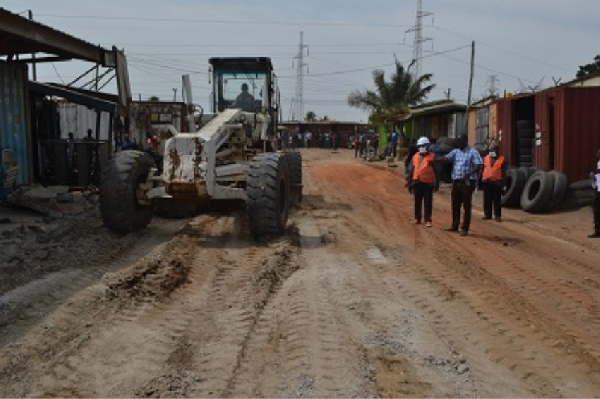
(119, 206)
(294, 159)
(537, 192)
(515, 181)
(268, 192)
(559, 191)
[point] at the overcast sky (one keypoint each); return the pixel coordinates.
(519, 44)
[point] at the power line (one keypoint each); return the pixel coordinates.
(222, 21)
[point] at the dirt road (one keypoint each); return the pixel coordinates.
(354, 301)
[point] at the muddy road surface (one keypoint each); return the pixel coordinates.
(354, 301)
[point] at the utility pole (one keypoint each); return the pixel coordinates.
(174, 94)
(418, 41)
(470, 85)
(298, 102)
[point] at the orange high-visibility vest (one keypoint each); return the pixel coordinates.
(423, 168)
(492, 172)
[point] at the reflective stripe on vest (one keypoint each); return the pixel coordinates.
(492, 172)
(423, 168)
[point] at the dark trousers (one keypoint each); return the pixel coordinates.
(492, 199)
(462, 195)
(423, 194)
(596, 207)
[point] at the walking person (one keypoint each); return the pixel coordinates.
(466, 166)
(422, 181)
(492, 183)
(596, 206)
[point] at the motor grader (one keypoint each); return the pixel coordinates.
(229, 157)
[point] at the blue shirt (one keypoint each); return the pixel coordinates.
(463, 161)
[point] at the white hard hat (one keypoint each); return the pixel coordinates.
(422, 141)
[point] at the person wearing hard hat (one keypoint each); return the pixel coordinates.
(492, 183)
(423, 181)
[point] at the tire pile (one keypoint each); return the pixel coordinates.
(538, 191)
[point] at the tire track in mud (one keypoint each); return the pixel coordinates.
(490, 309)
(304, 330)
(23, 307)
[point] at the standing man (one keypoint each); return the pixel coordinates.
(466, 166)
(395, 137)
(422, 181)
(596, 185)
(492, 183)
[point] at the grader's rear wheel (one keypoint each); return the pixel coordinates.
(268, 192)
(119, 203)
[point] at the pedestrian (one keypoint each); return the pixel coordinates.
(596, 206)
(395, 137)
(492, 183)
(423, 181)
(466, 166)
(412, 150)
(356, 145)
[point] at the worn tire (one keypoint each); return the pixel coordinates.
(559, 191)
(119, 207)
(537, 192)
(515, 181)
(294, 160)
(268, 192)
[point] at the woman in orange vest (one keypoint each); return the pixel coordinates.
(423, 181)
(492, 183)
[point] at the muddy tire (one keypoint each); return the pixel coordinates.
(294, 160)
(268, 192)
(559, 191)
(537, 192)
(121, 212)
(515, 181)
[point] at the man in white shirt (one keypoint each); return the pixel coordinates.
(595, 176)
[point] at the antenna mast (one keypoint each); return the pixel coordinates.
(298, 102)
(418, 42)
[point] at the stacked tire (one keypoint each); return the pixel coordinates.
(526, 137)
(544, 191)
(579, 194)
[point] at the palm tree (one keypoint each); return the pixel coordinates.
(391, 100)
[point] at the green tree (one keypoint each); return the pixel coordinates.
(153, 98)
(592, 68)
(391, 100)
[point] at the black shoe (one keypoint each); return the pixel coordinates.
(486, 218)
(595, 234)
(464, 232)
(452, 228)
(498, 219)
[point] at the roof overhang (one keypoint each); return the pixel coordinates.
(87, 98)
(22, 37)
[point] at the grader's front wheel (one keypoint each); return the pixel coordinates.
(268, 192)
(120, 205)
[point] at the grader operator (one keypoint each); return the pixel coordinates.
(230, 157)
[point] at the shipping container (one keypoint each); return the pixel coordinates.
(568, 121)
(561, 125)
(14, 142)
